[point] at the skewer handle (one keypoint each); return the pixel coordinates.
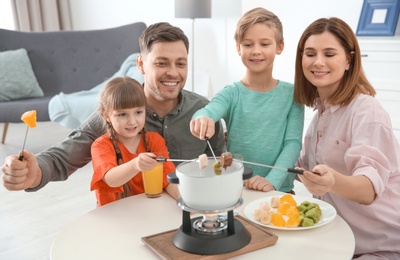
(300, 171)
(162, 159)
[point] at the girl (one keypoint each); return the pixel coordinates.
(120, 156)
(350, 140)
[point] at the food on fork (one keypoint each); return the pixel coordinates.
(226, 159)
(203, 161)
(29, 118)
(217, 168)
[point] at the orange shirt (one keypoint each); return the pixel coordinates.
(104, 158)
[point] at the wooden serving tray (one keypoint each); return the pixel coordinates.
(163, 246)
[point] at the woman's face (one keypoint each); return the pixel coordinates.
(324, 63)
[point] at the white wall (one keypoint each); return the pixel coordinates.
(6, 15)
(211, 48)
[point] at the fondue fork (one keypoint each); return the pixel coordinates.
(291, 170)
(162, 159)
(212, 151)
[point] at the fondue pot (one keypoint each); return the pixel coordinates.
(202, 189)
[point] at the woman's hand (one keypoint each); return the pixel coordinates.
(318, 185)
(258, 183)
(202, 127)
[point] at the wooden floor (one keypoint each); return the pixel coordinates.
(29, 222)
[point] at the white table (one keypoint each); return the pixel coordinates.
(114, 231)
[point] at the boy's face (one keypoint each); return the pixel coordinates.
(164, 69)
(258, 48)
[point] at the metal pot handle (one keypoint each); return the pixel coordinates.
(247, 173)
(172, 178)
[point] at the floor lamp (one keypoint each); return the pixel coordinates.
(192, 9)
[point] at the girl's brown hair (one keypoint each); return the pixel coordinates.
(121, 93)
(354, 81)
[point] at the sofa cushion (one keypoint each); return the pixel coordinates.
(17, 80)
(71, 110)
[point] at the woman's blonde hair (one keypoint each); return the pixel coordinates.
(353, 82)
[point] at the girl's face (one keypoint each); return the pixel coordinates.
(127, 123)
(324, 63)
(258, 48)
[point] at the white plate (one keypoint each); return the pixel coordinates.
(328, 212)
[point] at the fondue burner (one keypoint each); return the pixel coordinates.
(212, 233)
(210, 223)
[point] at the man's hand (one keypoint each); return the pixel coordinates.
(21, 175)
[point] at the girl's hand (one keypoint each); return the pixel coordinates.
(145, 162)
(319, 185)
(258, 183)
(202, 127)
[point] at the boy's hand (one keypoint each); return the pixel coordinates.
(258, 183)
(202, 127)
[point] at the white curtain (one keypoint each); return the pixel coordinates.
(41, 15)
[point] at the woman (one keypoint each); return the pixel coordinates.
(350, 140)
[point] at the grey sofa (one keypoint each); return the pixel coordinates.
(67, 61)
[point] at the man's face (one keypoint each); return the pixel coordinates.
(164, 69)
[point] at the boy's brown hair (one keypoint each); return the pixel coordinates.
(259, 15)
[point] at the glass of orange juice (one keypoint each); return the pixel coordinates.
(153, 180)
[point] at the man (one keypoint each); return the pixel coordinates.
(163, 62)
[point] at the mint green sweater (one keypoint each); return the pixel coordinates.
(264, 127)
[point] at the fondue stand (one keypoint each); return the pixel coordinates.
(211, 233)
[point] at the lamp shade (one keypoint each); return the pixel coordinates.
(192, 9)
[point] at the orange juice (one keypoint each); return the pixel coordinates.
(153, 181)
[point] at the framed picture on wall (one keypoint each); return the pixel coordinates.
(378, 18)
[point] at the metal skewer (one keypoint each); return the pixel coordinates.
(21, 154)
(291, 170)
(162, 159)
(212, 151)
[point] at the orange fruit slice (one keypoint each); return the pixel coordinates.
(278, 220)
(292, 210)
(293, 221)
(289, 199)
(283, 207)
(29, 118)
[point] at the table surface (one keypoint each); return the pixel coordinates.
(116, 230)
